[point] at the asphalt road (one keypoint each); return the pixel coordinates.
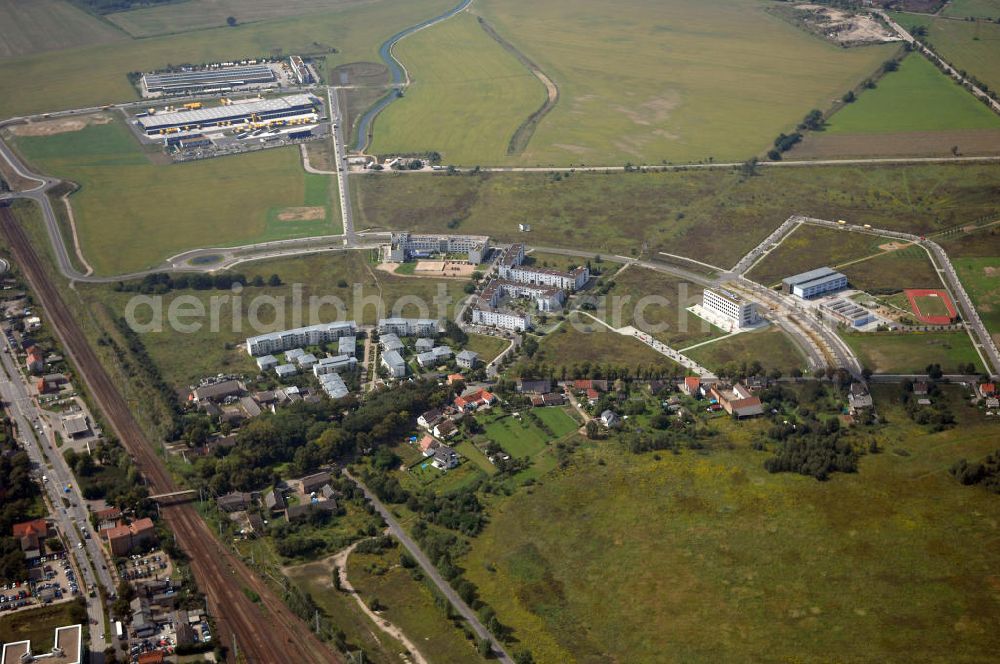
(39, 444)
(340, 154)
(431, 571)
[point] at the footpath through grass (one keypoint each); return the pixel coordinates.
(705, 557)
(917, 97)
(132, 213)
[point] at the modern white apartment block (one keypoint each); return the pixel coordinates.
(406, 246)
(505, 320)
(394, 364)
(547, 298)
(335, 364)
(510, 268)
(741, 313)
(313, 335)
(408, 327)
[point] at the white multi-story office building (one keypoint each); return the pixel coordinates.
(313, 335)
(733, 308)
(406, 246)
(814, 283)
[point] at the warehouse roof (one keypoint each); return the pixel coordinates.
(216, 113)
(811, 275)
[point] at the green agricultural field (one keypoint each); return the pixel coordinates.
(575, 347)
(202, 14)
(97, 75)
(769, 346)
(913, 352)
(973, 8)
(917, 97)
(809, 247)
(981, 278)
(467, 98)
(46, 25)
(973, 46)
(681, 213)
(909, 267)
(629, 556)
(132, 213)
(676, 80)
(410, 605)
(651, 300)
(183, 357)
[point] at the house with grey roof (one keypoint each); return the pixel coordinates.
(336, 364)
(434, 356)
(394, 363)
(390, 342)
(424, 344)
(267, 362)
(286, 370)
(467, 359)
(274, 501)
(347, 346)
(307, 361)
(294, 354)
(445, 458)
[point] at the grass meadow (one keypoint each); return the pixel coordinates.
(706, 557)
(96, 75)
(39, 625)
(679, 212)
(677, 80)
(132, 213)
(589, 343)
(410, 605)
(45, 25)
(769, 346)
(184, 357)
(973, 8)
(917, 97)
(981, 278)
(467, 98)
(972, 46)
(909, 267)
(809, 247)
(190, 15)
(912, 352)
(488, 347)
(523, 438)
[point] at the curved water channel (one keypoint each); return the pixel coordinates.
(397, 71)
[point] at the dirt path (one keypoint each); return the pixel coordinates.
(340, 560)
(522, 136)
(76, 238)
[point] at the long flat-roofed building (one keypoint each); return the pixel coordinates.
(313, 335)
(67, 648)
(848, 312)
(505, 320)
(814, 283)
(202, 80)
(511, 268)
(733, 308)
(405, 246)
(408, 327)
(257, 111)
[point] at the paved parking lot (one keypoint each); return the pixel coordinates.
(155, 565)
(52, 579)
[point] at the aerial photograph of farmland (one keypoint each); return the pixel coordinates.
(527, 331)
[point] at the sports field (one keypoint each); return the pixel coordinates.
(132, 213)
(973, 46)
(933, 306)
(97, 75)
(913, 351)
(706, 557)
(467, 98)
(676, 80)
(201, 14)
(682, 213)
(981, 279)
(33, 26)
(972, 8)
(916, 98)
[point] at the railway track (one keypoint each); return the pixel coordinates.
(264, 633)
